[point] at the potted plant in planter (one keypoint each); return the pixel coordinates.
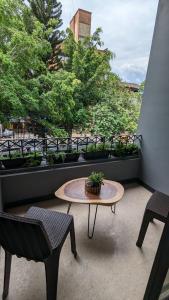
(96, 151)
(33, 159)
(55, 157)
(94, 182)
(13, 161)
(72, 156)
(123, 150)
(19, 160)
(132, 149)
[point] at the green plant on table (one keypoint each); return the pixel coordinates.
(96, 178)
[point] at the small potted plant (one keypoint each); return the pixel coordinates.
(94, 182)
(55, 157)
(96, 151)
(72, 156)
(33, 159)
(123, 150)
(13, 161)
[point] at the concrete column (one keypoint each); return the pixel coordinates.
(154, 120)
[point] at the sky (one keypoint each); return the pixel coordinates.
(127, 26)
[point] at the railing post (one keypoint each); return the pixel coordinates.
(22, 151)
(9, 150)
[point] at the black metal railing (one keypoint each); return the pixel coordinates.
(44, 145)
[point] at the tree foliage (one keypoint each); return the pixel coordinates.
(55, 93)
(83, 94)
(20, 58)
(48, 12)
(90, 65)
(116, 115)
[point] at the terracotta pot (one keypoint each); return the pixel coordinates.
(93, 189)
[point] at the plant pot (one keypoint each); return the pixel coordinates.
(33, 161)
(52, 159)
(95, 155)
(14, 163)
(70, 157)
(125, 155)
(92, 189)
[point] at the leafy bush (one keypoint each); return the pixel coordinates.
(18, 154)
(97, 147)
(13, 155)
(121, 149)
(103, 147)
(54, 157)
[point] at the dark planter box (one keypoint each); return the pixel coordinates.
(36, 161)
(21, 185)
(14, 163)
(127, 155)
(58, 160)
(20, 162)
(95, 155)
(71, 157)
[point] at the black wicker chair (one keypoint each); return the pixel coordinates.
(38, 236)
(157, 208)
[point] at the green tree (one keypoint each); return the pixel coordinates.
(91, 67)
(21, 56)
(118, 114)
(48, 12)
(55, 93)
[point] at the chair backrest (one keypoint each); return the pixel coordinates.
(24, 237)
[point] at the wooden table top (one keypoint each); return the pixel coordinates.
(74, 191)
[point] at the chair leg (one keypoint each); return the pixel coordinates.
(52, 269)
(146, 220)
(73, 239)
(7, 271)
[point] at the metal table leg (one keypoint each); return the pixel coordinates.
(69, 206)
(90, 236)
(113, 208)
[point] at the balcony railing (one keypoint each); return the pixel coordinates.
(44, 145)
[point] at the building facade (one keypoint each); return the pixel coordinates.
(81, 24)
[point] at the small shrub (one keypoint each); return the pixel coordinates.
(55, 157)
(121, 149)
(97, 147)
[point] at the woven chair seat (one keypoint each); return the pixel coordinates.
(56, 224)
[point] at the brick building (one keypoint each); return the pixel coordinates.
(81, 24)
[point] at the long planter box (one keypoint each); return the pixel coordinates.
(25, 186)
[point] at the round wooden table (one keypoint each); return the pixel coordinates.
(74, 192)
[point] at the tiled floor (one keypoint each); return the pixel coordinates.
(109, 267)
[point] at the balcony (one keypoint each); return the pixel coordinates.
(109, 267)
